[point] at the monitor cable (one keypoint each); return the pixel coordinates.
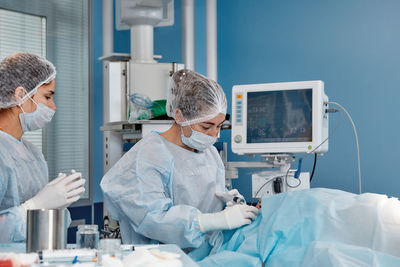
(313, 169)
(273, 179)
(267, 182)
(328, 110)
(356, 136)
(296, 175)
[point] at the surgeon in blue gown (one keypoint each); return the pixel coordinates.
(27, 85)
(164, 189)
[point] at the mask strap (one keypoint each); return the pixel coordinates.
(182, 129)
(33, 92)
(34, 101)
(20, 105)
(23, 100)
(191, 128)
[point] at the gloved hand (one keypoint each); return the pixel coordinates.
(59, 193)
(230, 218)
(228, 197)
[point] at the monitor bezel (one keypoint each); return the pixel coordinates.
(318, 98)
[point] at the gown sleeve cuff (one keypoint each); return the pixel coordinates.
(22, 209)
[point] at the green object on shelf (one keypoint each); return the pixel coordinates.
(159, 108)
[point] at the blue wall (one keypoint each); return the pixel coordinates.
(352, 45)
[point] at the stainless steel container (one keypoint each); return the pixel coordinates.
(46, 230)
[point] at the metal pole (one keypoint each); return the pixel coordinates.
(188, 30)
(211, 29)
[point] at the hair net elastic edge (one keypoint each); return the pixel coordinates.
(202, 119)
(32, 92)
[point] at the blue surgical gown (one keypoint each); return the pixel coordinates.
(157, 190)
(23, 172)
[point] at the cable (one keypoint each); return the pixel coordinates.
(286, 176)
(331, 133)
(291, 186)
(329, 110)
(356, 136)
(271, 179)
(313, 169)
(261, 187)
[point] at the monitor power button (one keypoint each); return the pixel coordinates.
(238, 139)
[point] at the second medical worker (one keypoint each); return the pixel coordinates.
(27, 86)
(164, 189)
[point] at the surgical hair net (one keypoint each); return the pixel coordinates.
(23, 69)
(199, 98)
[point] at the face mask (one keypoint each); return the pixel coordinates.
(198, 140)
(37, 119)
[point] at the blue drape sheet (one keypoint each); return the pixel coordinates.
(316, 227)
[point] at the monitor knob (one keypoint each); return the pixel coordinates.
(237, 139)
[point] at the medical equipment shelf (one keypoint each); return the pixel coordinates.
(126, 127)
(136, 130)
(133, 130)
(119, 126)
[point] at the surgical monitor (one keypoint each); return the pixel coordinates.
(284, 117)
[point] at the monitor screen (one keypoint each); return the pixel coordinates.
(279, 116)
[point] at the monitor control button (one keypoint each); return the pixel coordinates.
(238, 139)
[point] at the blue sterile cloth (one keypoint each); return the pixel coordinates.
(316, 227)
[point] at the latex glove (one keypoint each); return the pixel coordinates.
(232, 197)
(59, 193)
(230, 218)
